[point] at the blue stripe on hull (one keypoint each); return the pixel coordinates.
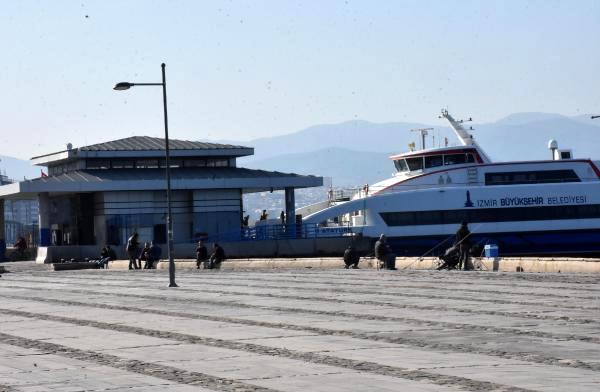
(572, 242)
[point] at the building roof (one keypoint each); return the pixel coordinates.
(143, 147)
(249, 180)
(147, 143)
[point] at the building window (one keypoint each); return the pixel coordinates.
(146, 164)
(122, 164)
(97, 164)
(195, 163)
(531, 177)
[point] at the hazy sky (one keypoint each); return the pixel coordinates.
(246, 69)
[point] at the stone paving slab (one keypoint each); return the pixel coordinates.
(293, 330)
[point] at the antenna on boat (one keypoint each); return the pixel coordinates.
(465, 137)
(423, 132)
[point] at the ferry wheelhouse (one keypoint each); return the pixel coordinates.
(548, 207)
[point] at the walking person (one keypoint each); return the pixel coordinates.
(463, 240)
(133, 251)
(201, 254)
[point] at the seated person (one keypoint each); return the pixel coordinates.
(145, 254)
(106, 254)
(153, 256)
(201, 254)
(383, 253)
(217, 256)
(351, 257)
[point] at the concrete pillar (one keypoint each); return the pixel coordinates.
(2, 232)
(44, 219)
(290, 209)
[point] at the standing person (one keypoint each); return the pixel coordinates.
(282, 217)
(264, 215)
(463, 240)
(217, 257)
(351, 257)
(201, 254)
(383, 253)
(133, 251)
(21, 247)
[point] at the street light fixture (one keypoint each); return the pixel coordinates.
(126, 86)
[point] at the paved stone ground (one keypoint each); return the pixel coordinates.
(297, 330)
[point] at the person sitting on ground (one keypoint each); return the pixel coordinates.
(201, 254)
(145, 254)
(106, 254)
(383, 253)
(351, 257)
(153, 257)
(217, 257)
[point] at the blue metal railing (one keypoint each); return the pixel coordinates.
(281, 232)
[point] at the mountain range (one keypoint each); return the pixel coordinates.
(356, 152)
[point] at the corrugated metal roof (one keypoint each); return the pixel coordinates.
(147, 143)
(158, 174)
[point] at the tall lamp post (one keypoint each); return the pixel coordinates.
(125, 86)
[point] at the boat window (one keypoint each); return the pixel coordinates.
(531, 177)
(454, 159)
(433, 161)
(415, 163)
(400, 165)
(470, 158)
(481, 215)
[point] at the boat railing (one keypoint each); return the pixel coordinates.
(281, 232)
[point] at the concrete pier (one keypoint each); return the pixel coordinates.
(298, 330)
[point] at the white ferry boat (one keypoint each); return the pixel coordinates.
(549, 207)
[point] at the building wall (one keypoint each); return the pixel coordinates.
(217, 212)
(196, 214)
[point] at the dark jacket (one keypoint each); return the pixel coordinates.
(381, 250)
(201, 253)
(351, 256)
(463, 236)
(218, 254)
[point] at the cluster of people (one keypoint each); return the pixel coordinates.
(149, 254)
(456, 256)
(386, 258)
(209, 262)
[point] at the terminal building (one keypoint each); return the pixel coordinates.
(102, 193)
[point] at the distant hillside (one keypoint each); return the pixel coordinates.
(326, 149)
(17, 169)
(346, 167)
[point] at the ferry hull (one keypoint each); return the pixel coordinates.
(574, 243)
